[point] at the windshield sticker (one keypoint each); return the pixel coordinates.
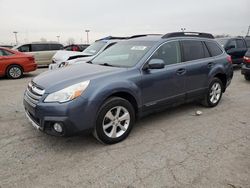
(139, 48)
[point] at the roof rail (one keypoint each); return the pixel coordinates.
(142, 35)
(112, 38)
(188, 34)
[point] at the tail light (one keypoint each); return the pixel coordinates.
(229, 59)
(246, 59)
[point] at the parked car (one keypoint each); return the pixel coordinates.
(76, 47)
(129, 80)
(245, 69)
(13, 63)
(236, 47)
(63, 58)
(42, 51)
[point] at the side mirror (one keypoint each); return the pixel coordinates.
(154, 64)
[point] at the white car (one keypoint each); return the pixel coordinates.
(63, 58)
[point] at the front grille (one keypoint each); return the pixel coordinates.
(33, 94)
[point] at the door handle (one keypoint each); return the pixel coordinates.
(210, 65)
(181, 71)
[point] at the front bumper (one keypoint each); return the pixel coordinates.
(75, 116)
(245, 69)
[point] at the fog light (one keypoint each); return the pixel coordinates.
(58, 127)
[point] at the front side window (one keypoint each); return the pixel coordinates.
(194, 50)
(123, 54)
(24, 48)
(169, 53)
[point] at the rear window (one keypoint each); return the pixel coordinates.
(213, 48)
(193, 50)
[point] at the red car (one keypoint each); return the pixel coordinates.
(13, 63)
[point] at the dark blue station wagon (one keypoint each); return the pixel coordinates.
(131, 79)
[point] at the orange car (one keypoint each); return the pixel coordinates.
(13, 63)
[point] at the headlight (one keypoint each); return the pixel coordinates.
(68, 93)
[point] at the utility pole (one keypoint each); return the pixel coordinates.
(15, 33)
(87, 31)
(248, 31)
(58, 38)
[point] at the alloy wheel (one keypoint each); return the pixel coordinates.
(116, 122)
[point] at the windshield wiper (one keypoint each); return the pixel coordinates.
(106, 64)
(90, 62)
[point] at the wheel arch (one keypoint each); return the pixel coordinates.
(13, 64)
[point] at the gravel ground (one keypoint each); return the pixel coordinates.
(174, 148)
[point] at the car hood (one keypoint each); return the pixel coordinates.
(58, 79)
(63, 55)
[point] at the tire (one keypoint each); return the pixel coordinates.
(214, 93)
(14, 72)
(247, 77)
(111, 129)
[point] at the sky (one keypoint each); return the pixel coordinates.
(45, 19)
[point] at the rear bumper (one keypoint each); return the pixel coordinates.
(245, 70)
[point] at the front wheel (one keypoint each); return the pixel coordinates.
(115, 120)
(214, 93)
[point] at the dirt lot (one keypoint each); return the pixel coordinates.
(171, 149)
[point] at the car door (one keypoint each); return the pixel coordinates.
(197, 64)
(161, 87)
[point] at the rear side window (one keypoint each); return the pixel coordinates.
(193, 50)
(240, 43)
(40, 47)
(213, 48)
(55, 46)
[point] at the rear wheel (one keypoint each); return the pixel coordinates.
(115, 121)
(14, 72)
(247, 77)
(214, 93)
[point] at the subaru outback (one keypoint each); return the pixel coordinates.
(129, 80)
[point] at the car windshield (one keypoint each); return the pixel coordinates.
(94, 48)
(123, 54)
(222, 41)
